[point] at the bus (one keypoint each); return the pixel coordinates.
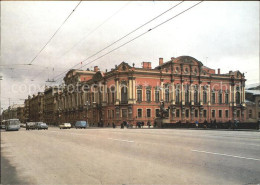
(12, 124)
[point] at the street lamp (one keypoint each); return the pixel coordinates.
(87, 104)
(59, 114)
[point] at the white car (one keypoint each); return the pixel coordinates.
(65, 126)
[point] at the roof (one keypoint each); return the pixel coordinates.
(254, 92)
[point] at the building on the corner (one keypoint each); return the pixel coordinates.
(253, 105)
(189, 90)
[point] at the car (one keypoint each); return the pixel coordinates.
(22, 125)
(30, 126)
(41, 125)
(81, 124)
(65, 126)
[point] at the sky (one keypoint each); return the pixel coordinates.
(221, 35)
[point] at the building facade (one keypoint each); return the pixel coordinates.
(253, 105)
(36, 107)
(189, 91)
(49, 101)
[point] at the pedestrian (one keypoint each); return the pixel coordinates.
(205, 124)
(197, 124)
(142, 124)
(149, 124)
(114, 126)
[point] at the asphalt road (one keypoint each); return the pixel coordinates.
(130, 156)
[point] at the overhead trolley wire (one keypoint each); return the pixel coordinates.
(142, 34)
(122, 37)
(55, 33)
(96, 28)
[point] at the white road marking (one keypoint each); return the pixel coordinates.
(240, 157)
(121, 140)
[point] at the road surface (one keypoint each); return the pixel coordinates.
(130, 156)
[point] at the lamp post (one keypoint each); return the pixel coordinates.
(59, 114)
(87, 106)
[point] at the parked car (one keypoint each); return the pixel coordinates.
(65, 126)
(22, 125)
(81, 124)
(41, 125)
(30, 126)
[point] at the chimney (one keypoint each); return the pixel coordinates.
(218, 71)
(147, 65)
(160, 61)
(96, 69)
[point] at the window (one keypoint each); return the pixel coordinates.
(113, 113)
(139, 113)
(124, 113)
(204, 97)
(124, 94)
(238, 113)
(187, 113)
(187, 94)
(108, 96)
(148, 95)
(220, 113)
(177, 113)
(139, 95)
(204, 113)
(250, 113)
(167, 94)
(157, 95)
(108, 114)
(237, 97)
(195, 94)
(220, 97)
(148, 113)
(196, 113)
(113, 94)
(213, 96)
(157, 112)
(213, 113)
(226, 113)
(177, 94)
(226, 98)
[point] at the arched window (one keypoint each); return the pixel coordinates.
(226, 97)
(205, 94)
(220, 97)
(124, 94)
(157, 94)
(139, 93)
(148, 95)
(195, 94)
(213, 97)
(112, 95)
(108, 95)
(177, 93)
(167, 94)
(187, 93)
(237, 97)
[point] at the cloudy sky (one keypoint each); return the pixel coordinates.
(220, 34)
